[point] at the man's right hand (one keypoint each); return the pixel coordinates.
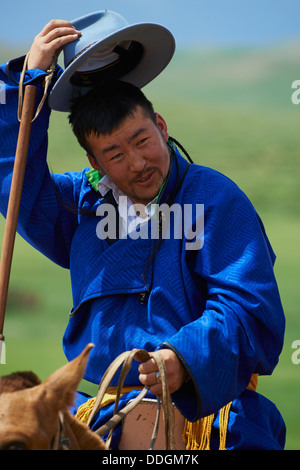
(49, 43)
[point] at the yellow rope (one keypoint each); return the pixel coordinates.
(197, 435)
(224, 418)
(85, 409)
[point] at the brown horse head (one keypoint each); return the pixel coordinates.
(35, 416)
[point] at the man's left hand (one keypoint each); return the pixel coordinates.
(176, 373)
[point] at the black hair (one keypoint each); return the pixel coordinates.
(103, 109)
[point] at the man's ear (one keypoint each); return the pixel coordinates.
(94, 164)
(161, 123)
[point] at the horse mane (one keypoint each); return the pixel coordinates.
(18, 381)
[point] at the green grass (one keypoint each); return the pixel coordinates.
(232, 111)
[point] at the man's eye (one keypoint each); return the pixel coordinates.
(142, 141)
(115, 157)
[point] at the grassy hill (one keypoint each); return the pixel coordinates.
(232, 110)
(238, 76)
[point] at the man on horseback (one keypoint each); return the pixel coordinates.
(212, 310)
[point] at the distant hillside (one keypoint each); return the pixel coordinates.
(252, 77)
(7, 52)
(237, 76)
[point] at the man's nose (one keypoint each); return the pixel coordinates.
(137, 162)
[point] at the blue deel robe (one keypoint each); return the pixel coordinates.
(218, 307)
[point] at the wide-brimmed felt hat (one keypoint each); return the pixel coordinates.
(110, 48)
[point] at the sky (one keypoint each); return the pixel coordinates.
(194, 23)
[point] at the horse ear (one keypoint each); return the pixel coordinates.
(62, 384)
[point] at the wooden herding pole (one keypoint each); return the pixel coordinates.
(14, 199)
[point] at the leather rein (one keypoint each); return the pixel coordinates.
(62, 442)
(163, 401)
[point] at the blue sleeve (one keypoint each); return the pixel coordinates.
(42, 221)
(241, 330)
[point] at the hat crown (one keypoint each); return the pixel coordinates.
(110, 48)
(93, 27)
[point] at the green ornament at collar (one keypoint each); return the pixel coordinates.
(94, 176)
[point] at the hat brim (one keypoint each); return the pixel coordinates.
(158, 48)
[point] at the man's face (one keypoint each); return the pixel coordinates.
(135, 156)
